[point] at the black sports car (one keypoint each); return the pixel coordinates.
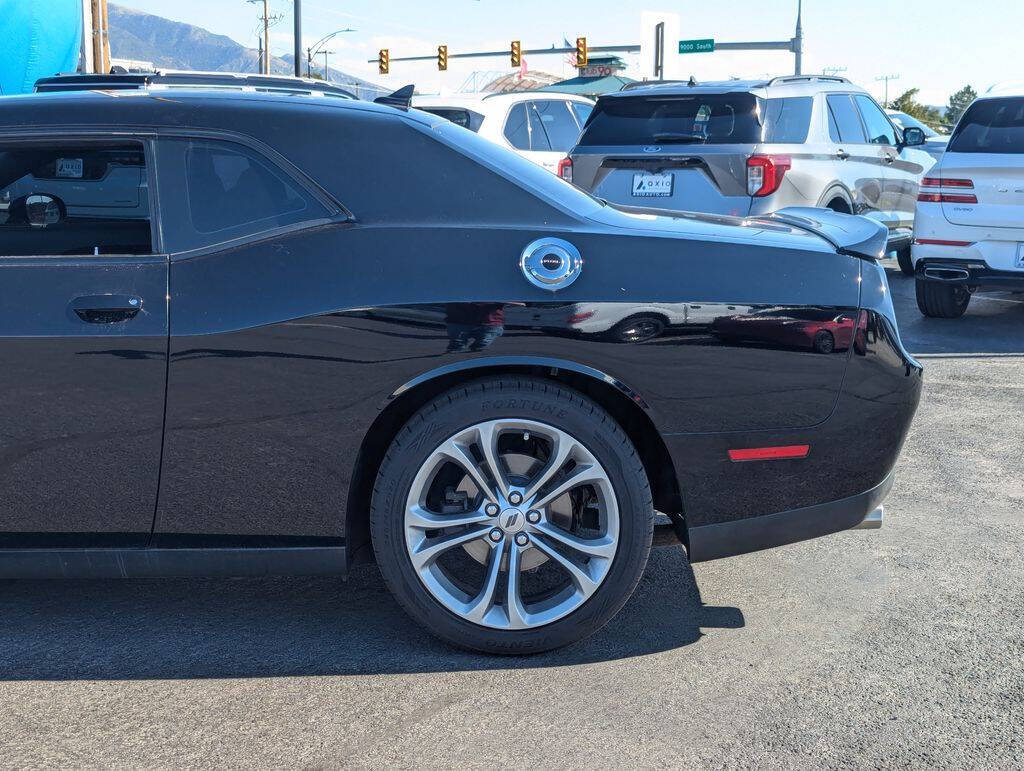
(243, 333)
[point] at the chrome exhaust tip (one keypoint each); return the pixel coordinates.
(947, 274)
(873, 521)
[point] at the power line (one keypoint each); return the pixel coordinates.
(887, 78)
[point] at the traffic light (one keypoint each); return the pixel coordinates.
(517, 54)
(442, 58)
(581, 52)
(382, 61)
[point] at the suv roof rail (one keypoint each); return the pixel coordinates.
(805, 79)
(77, 81)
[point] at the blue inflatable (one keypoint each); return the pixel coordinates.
(40, 38)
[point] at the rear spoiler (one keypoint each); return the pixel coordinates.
(849, 234)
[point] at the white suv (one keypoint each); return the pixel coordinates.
(969, 225)
(542, 127)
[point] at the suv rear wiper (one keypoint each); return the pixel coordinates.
(676, 136)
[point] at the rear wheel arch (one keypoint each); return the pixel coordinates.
(617, 400)
(837, 198)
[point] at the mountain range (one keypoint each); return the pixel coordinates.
(179, 46)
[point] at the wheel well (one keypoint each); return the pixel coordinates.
(634, 421)
(839, 204)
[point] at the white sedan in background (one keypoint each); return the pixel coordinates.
(542, 127)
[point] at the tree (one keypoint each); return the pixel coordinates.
(959, 102)
(907, 102)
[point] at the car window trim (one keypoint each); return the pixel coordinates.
(49, 135)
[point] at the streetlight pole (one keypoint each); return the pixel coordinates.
(298, 37)
(327, 75)
(316, 49)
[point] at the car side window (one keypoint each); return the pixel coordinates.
(582, 111)
(559, 124)
(517, 131)
(229, 191)
(787, 120)
(833, 127)
(846, 118)
(538, 132)
(880, 130)
(65, 198)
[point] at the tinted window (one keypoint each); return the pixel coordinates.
(516, 130)
(683, 119)
(846, 119)
(559, 124)
(456, 116)
(991, 126)
(82, 199)
(582, 111)
(880, 130)
(230, 191)
(786, 120)
(538, 135)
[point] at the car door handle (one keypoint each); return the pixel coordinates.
(106, 308)
(842, 155)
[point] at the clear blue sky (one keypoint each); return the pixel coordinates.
(936, 45)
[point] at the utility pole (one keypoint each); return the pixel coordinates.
(327, 74)
(833, 70)
(887, 78)
(265, 20)
(297, 4)
(798, 40)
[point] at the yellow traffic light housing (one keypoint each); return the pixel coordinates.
(581, 52)
(442, 58)
(383, 65)
(517, 54)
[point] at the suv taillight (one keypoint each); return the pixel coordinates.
(565, 169)
(765, 173)
(943, 197)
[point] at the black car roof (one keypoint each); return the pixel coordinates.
(171, 106)
(123, 80)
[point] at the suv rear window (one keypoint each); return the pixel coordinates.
(698, 119)
(991, 126)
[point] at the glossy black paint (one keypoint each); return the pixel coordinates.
(291, 356)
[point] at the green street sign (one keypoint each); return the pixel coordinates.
(696, 46)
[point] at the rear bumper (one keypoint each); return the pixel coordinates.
(969, 273)
(727, 539)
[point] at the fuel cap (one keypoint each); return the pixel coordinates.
(551, 263)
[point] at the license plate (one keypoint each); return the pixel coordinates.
(69, 167)
(652, 185)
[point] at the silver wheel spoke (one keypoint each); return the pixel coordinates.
(461, 455)
(484, 601)
(432, 548)
(488, 438)
(602, 548)
(418, 517)
(513, 602)
(579, 575)
(562, 449)
(582, 474)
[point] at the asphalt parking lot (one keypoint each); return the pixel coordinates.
(869, 648)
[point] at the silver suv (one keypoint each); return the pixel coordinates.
(752, 147)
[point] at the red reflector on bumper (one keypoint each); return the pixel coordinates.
(770, 453)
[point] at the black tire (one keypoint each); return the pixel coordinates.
(942, 301)
(905, 261)
(515, 398)
(824, 342)
(636, 329)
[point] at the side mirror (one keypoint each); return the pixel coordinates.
(913, 136)
(38, 210)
